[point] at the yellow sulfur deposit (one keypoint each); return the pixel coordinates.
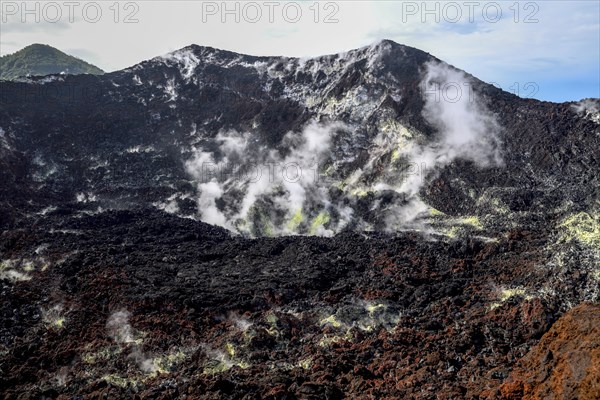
(165, 364)
(371, 308)
(319, 221)
(331, 320)
(434, 212)
(506, 294)
(583, 227)
(306, 363)
(230, 349)
(296, 220)
(471, 221)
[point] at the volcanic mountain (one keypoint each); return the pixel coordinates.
(41, 59)
(372, 224)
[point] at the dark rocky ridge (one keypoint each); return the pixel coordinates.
(75, 123)
(85, 160)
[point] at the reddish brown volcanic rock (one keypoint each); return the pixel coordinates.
(211, 316)
(566, 362)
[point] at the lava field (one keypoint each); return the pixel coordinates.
(125, 274)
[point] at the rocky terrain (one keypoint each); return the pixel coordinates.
(441, 242)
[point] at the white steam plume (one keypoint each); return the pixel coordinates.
(466, 130)
(588, 108)
(290, 182)
(118, 327)
(120, 331)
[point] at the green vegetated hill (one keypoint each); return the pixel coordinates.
(41, 59)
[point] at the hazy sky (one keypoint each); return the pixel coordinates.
(544, 49)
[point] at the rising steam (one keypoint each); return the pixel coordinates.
(120, 330)
(466, 128)
(260, 191)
